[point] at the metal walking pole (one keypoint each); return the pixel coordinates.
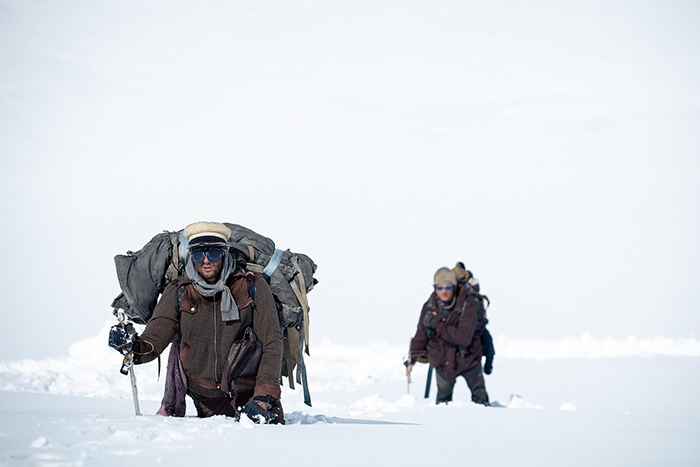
(128, 365)
(407, 364)
(408, 384)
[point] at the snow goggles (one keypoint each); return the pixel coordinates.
(213, 253)
(440, 287)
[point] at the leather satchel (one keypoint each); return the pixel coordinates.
(242, 364)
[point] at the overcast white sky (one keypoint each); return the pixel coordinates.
(551, 146)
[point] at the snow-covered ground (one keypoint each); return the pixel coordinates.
(559, 138)
(579, 401)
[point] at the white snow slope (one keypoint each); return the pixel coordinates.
(572, 405)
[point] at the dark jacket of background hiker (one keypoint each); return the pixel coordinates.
(206, 339)
(454, 349)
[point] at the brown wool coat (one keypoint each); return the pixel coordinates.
(453, 334)
(206, 339)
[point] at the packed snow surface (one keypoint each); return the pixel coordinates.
(579, 401)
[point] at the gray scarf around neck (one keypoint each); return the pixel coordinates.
(446, 307)
(229, 307)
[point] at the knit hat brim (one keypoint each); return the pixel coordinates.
(445, 276)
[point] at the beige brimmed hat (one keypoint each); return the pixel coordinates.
(445, 276)
(207, 234)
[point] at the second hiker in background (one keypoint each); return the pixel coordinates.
(449, 331)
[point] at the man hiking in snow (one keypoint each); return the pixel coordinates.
(210, 308)
(449, 330)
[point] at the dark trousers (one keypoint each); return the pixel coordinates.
(475, 381)
(210, 406)
(210, 402)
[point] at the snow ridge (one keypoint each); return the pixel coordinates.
(587, 346)
(91, 368)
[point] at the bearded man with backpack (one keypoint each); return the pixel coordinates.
(449, 332)
(211, 310)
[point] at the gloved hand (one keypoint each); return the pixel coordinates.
(258, 410)
(430, 321)
(121, 337)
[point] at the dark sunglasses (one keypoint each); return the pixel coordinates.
(440, 287)
(214, 254)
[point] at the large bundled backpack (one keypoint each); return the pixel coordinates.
(466, 278)
(144, 274)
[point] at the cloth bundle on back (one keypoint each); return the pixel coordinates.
(144, 274)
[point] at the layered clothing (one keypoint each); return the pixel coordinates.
(206, 332)
(450, 334)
